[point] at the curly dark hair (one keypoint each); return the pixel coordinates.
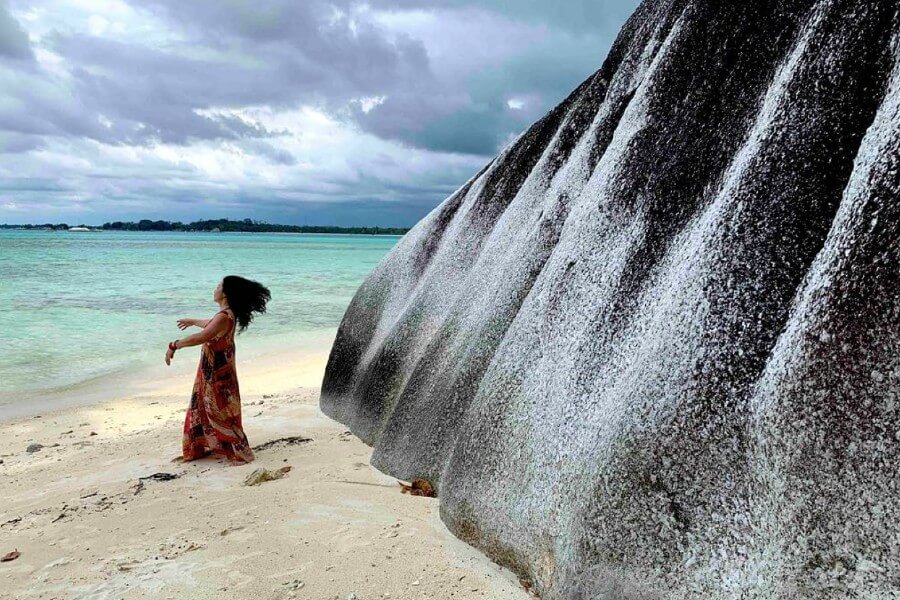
(245, 297)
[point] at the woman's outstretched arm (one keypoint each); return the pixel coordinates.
(185, 323)
(214, 327)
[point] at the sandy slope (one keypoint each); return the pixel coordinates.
(334, 526)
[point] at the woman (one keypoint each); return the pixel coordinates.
(213, 420)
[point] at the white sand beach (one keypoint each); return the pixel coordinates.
(87, 526)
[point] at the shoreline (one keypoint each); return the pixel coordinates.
(142, 231)
(308, 361)
(88, 526)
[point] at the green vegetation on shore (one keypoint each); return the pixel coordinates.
(218, 225)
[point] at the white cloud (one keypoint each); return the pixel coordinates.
(112, 19)
(368, 103)
(335, 162)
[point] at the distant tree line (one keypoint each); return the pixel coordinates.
(32, 226)
(216, 225)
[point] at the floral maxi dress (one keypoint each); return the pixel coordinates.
(213, 420)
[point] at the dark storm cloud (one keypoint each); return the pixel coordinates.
(319, 47)
(475, 117)
(14, 43)
(284, 53)
(578, 34)
(330, 53)
(278, 56)
(149, 95)
(242, 105)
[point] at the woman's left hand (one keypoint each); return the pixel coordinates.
(170, 354)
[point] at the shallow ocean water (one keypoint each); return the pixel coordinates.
(79, 307)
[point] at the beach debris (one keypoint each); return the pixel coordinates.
(392, 531)
(11, 522)
(10, 556)
(127, 566)
(262, 475)
(32, 448)
(67, 432)
(92, 433)
(174, 549)
(419, 487)
(139, 486)
(105, 503)
(352, 596)
(162, 476)
(286, 441)
(1, 461)
(62, 515)
(89, 495)
(228, 530)
(294, 584)
(346, 436)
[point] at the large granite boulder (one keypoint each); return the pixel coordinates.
(652, 350)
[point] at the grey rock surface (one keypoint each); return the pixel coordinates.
(652, 350)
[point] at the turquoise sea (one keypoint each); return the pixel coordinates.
(83, 307)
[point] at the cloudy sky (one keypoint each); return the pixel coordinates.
(289, 111)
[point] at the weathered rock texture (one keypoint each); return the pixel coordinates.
(652, 350)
